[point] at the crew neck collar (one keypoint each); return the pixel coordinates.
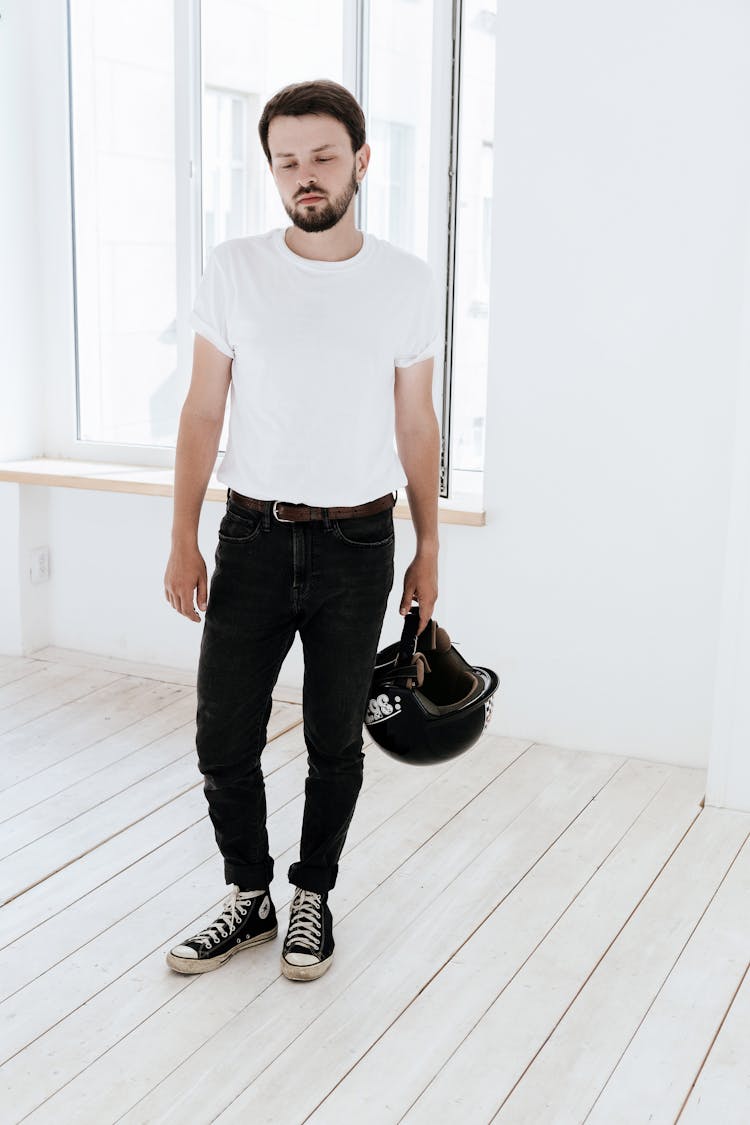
(318, 266)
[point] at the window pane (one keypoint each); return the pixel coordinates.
(249, 51)
(473, 234)
(399, 122)
(123, 160)
(225, 172)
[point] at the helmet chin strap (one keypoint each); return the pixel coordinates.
(408, 643)
(433, 638)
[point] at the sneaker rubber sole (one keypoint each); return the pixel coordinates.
(305, 972)
(206, 965)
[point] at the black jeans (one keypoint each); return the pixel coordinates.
(330, 580)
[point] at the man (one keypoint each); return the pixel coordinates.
(326, 335)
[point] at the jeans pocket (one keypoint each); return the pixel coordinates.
(375, 530)
(239, 525)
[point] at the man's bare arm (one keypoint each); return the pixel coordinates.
(201, 420)
(418, 444)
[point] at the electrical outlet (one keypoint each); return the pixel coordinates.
(40, 564)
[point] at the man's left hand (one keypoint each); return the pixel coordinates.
(421, 584)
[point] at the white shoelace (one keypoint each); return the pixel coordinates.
(304, 928)
(213, 934)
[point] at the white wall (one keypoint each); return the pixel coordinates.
(620, 214)
(108, 555)
(620, 204)
(21, 322)
(728, 779)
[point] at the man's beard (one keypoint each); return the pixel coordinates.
(325, 213)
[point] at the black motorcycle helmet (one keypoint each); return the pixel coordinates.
(426, 703)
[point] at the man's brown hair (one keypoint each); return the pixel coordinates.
(320, 96)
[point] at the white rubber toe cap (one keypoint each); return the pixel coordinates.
(301, 958)
(184, 951)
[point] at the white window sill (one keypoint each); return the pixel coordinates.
(109, 477)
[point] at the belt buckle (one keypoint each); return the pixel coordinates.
(276, 514)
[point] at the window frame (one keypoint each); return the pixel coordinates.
(63, 416)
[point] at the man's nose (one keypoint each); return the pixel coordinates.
(305, 177)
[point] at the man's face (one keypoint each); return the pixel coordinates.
(329, 173)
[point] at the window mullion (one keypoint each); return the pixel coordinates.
(442, 202)
(355, 75)
(188, 173)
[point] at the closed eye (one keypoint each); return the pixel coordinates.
(323, 159)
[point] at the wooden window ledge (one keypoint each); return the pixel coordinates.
(111, 477)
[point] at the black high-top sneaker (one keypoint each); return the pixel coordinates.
(308, 946)
(248, 918)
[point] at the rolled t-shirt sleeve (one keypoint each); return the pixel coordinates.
(209, 313)
(420, 336)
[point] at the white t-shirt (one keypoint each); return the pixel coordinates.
(314, 345)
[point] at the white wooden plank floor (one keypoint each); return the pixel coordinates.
(526, 934)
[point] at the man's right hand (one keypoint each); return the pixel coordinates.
(185, 572)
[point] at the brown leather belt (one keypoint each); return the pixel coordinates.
(292, 513)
